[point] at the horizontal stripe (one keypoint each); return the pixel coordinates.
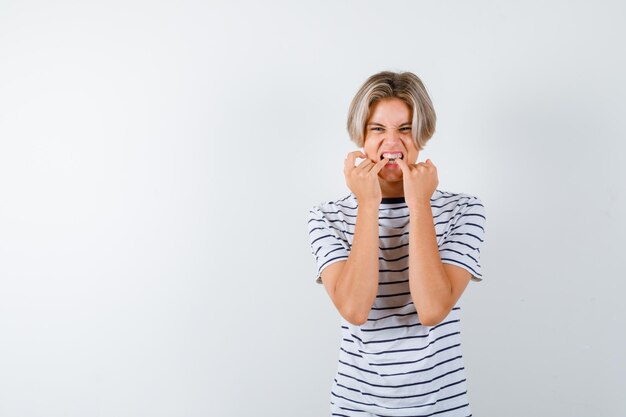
(349, 208)
(316, 220)
(432, 355)
(441, 412)
(334, 250)
(408, 313)
(469, 224)
(352, 233)
(400, 326)
(460, 243)
(332, 259)
(392, 307)
(439, 400)
(394, 270)
(387, 226)
(433, 206)
(380, 258)
(412, 384)
(454, 200)
(460, 253)
(360, 413)
(404, 315)
(395, 247)
(356, 367)
(466, 234)
(456, 261)
(413, 313)
(393, 282)
(348, 409)
(393, 295)
(330, 244)
(351, 353)
(416, 371)
(403, 397)
(337, 212)
(419, 336)
(324, 237)
(386, 352)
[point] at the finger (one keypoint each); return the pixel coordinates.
(361, 155)
(349, 162)
(364, 164)
(423, 168)
(379, 165)
(426, 167)
(403, 166)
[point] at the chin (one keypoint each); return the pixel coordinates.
(391, 177)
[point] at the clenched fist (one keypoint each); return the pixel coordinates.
(419, 181)
(363, 179)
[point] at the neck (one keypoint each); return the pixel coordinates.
(391, 189)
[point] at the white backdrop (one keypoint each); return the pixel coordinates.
(158, 160)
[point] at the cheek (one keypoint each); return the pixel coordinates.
(410, 146)
(408, 142)
(370, 148)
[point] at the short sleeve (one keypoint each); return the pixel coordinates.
(461, 246)
(327, 246)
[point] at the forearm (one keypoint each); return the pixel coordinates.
(357, 285)
(430, 287)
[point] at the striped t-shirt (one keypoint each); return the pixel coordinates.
(392, 365)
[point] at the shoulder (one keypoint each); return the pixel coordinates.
(446, 200)
(344, 205)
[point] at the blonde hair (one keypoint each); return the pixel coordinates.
(405, 86)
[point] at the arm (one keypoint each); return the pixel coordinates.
(435, 287)
(353, 284)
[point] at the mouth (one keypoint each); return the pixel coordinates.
(392, 156)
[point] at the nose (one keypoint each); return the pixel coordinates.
(393, 138)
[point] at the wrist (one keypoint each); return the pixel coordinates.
(368, 203)
(420, 207)
(368, 207)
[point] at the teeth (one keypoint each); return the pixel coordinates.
(392, 156)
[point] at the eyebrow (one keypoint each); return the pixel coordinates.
(378, 124)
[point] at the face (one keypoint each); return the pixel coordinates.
(389, 130)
